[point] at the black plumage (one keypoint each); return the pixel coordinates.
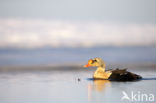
(123, 75)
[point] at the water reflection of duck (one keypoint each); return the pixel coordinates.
(98, 86)
(101, 84)
(115, 75)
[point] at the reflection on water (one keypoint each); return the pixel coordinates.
(98, 86)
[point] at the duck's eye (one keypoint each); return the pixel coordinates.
(93, 61)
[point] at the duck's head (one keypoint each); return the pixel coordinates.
(96, 62)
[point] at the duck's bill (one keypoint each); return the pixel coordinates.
(87, 65)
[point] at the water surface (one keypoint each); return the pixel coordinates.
(61, 85)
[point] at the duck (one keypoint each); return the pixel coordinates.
(113, 75)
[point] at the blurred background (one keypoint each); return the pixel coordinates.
(45, 43)
(37, 32)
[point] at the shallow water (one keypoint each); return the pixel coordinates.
(63, 86)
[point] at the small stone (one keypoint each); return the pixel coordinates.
(79, 79)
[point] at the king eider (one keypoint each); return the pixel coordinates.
(113, 75)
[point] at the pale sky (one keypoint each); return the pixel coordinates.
(74, 23)
(111, 10)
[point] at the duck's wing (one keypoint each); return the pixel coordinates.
(123, 75)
